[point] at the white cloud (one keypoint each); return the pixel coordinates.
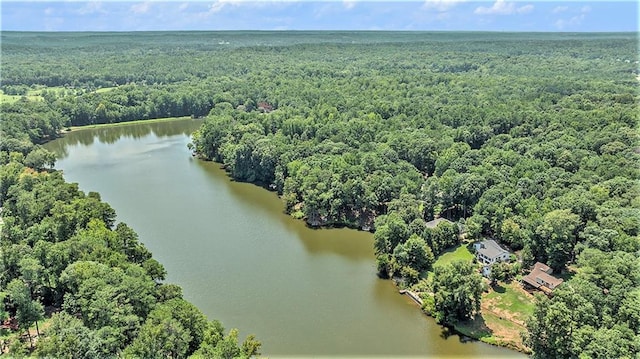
(562, 24)
(559, 9)
(525, 9)
(215, 8)
(501, 7)
(183, 6)
(93, 7)
(49, 11)
(573, 21)
(140, 8)
(441, 5)
(221, 4)
(349, 4)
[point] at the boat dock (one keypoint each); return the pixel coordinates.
(416, 298)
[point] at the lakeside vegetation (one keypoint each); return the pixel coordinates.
(74, 282)
(530, 139)
(103, 125)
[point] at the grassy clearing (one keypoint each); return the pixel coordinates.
(460, 252)
(504, 311)
(104, 89)
(35, 94)
(4, 98)
(512, 300)
(125, 123)
(492, 329)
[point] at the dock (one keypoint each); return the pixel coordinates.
(413, 295)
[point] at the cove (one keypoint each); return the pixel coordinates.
(241, 260)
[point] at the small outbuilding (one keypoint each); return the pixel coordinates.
(541, 278)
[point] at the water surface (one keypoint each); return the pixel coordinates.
(240, 259)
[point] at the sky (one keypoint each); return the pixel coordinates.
(424, 15)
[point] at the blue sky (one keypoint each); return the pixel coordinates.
(429, 15)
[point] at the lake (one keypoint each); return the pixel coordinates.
(242, 260)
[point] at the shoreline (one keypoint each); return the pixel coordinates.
(415, 297)
(462, 329)
(456, 328)
(124, 123)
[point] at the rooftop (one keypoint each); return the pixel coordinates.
(542, 268)
(539, 273)
(491, 249)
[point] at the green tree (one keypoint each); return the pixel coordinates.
(390, 231)
(414, 253)
(594, 314)
(218, 345)
(549, 329)
(559, 230)
(67, 337)
(457, 288)
(28, 311)
(161, 336)
(40, 159)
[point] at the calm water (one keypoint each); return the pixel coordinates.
(240, 259)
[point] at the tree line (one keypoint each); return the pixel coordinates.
(64, 258)
(66, 262)
(529, 139)
(544, 160)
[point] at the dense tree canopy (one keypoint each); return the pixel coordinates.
(457, 288)
(61, 248)
(530, 139)
(595, 315)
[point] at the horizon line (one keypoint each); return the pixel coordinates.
(329, 30)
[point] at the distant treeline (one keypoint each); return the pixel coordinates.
(74, 283)
(530, 139)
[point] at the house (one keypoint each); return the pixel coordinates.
(265, 107)
(435, 222)
(489, 252)
(540, 278)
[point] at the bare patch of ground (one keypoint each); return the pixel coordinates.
(501, 321)
(505, 310)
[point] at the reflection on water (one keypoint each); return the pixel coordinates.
(111, 134)
(350, 243)
(239, 258)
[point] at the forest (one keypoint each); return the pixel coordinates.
(528, 139)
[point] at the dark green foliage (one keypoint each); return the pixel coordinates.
(527, 138)
(27, 122)
(593, 315)
(457, 288)
(414, 253)
(59, 247)
(67, 337)
(27, 311)
(39, 159)
(173, 329)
